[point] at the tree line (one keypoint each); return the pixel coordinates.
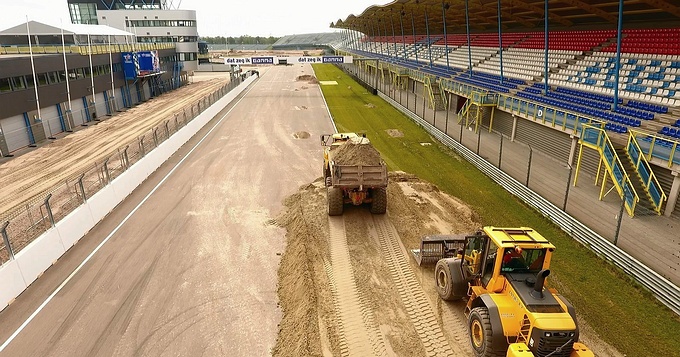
(241, 40)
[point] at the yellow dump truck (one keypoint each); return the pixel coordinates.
(353, 172)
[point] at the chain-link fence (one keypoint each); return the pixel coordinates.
(20, 226)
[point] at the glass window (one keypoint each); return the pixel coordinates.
(4, 85)
(18, 83)
(42, 79)
(29, 81)
(53, 77)
(62, 76)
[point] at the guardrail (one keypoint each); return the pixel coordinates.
(646, 174)
(84, 49)
(664, 290)
(664, 149)
(23, 224)
(546, 114)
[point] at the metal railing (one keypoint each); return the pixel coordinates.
(546, 114)
(655, 146)
(84, 49)
(23, 224)
(596, 138)
(664, 290)
(651, 184)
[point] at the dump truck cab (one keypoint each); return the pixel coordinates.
(502, 272)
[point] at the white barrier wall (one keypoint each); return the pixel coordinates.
(16, 275)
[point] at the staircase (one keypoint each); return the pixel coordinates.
(645, 207)
(439, 99)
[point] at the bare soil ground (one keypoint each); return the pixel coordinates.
(32, 173)
(348, 285)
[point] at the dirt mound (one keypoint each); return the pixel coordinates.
(311, 325)
(395, 133)
(356, 151)
(301, 135)
(307, 77)
(303, 289)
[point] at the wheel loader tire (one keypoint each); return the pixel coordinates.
(379, 203)
(444, 281)
(481, 337)
(335, 201)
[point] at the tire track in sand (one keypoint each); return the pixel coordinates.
(411, 293)
(359, 334)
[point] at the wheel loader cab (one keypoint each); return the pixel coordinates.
(478, 258)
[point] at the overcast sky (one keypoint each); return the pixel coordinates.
(219, 17)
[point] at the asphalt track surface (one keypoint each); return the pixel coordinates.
(186, 266)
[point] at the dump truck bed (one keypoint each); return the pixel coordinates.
(366, 176)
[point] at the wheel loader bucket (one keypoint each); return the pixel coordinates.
(435, 247)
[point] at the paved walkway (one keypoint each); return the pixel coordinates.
(653, 240)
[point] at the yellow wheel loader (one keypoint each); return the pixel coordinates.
(502, 273)
(353, 173)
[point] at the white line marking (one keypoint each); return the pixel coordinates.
(58, 289)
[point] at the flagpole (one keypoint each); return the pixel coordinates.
(68, 86)
(35, 81)
(113, 88)
(89, 50)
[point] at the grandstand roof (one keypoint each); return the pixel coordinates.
(516, 15)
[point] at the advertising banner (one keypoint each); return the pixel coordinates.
(130, 65)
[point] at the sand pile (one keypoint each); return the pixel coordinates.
(307, 77)
(310, 324)
(356, 151)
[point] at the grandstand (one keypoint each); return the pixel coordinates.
(582, 76)
(308, 41)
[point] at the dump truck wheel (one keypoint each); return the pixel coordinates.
(444, 281)
(379, 203)
(481, 339)
(335, 201)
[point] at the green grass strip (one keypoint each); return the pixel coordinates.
(622, 312)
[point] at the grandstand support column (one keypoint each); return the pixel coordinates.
(427, 31)
(572, 150)
(386, 44)
(415, 43)
(514, 128)
(500, 40)
(618, 56)
(403, 38)
(467, 30)
(395, 42)
(546, 45)
(445, 6)
(673, 195)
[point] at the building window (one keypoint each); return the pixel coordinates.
(4, 85)
(29, 81)
(18, 83)
(85, 13)
(42, 79)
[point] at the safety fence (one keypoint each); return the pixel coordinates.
(23, 224)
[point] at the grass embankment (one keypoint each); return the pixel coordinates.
(622, 313)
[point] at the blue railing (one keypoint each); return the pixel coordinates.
(548, 115)
(646, 173)
(654, 146)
